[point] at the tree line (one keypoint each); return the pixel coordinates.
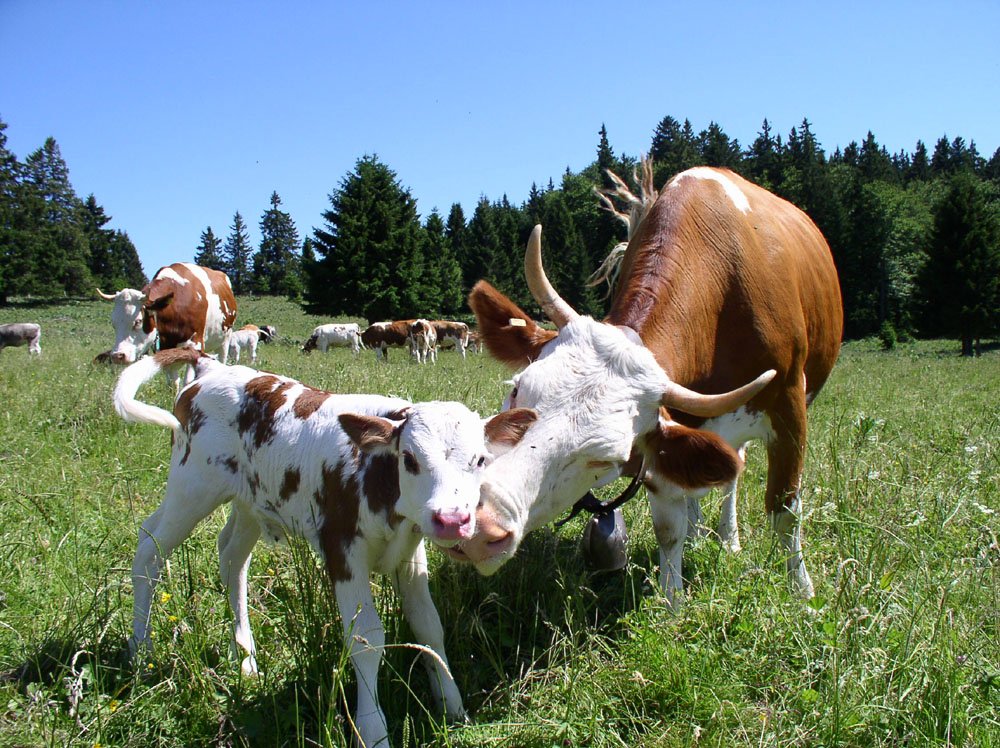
(52, 243)
(914, 235)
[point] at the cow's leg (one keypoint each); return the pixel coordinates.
(236, 541)
(253, 351)
(695, 522)
(670, 525)
(366, 640)
(728, 528)
(785, 452)
(410, 581)
(224, 354)
(34, 345)
(178, 514)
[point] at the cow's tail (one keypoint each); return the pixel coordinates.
(141, 372)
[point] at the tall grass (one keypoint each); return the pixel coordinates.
(900, 647)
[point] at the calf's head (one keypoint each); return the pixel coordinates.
(441, 450)
(599, 395)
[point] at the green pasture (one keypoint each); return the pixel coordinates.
(900, 647)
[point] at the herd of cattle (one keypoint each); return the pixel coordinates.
(725, 323)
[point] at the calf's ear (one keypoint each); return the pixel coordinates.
(509, 334)
(506, 429)
(370, 434)
(692, 458)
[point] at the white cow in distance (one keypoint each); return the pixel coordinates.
(334, 335)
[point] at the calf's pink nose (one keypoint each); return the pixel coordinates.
(451, 525)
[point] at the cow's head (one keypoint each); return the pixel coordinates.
(127, 317)
(442, 449)
(599, 394)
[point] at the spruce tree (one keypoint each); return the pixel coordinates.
(443, 268)
(960, 284)
(483, 244)
(368, 255)
(209, 251)
(276, 265)
(236, 256)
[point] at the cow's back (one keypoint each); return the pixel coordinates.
(723, 280)
(201, 310)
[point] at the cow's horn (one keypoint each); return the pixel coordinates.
(108, 296)
(709, 406)
(551, 302)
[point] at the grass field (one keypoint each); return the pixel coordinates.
(900, 647)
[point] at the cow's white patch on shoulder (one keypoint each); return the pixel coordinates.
(733, 192)
(173, 275)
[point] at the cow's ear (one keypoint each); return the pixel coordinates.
(510, 335)
(370, 434)
(506, 429)
(692, 458)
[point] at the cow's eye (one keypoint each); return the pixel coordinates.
(410, 463)
(482, 461)
(513, 394)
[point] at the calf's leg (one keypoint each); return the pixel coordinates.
(167, 528)
(410, 581)
(365, 637)
(236, 541)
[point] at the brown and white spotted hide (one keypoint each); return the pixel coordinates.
(363, 478)
(381, 336)
(721, 281)
(451, 334)
(423, 341)
(334, 335)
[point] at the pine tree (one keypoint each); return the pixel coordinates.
(920, 165)
(236, 256)
(764, 159)
(61, 249)
(209, 251)
(369, 259)
(444, 270)
(960, 284)
(716, 149)
(276, 267)
(483, 244)
(565, 257)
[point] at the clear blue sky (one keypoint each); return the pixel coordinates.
(177, 114)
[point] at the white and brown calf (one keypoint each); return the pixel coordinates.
(451, 334)
(21, 333)
(245, 339)
(363, 478)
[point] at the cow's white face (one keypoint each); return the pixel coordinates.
(126, 317)
(595, 391)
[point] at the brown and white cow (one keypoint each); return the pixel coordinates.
(423, 341)
(363, 478)
(21, 333)
(721, 281)
(184, 306)
(451, 334)
(475, 342)
(382, 336)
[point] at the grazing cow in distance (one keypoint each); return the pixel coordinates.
(381, 336)
(423, 341)
(184, 306)
(246, 338)
(452, 334)
(475, 342)
(363, 478)
(21, 333)
(724, 288)
(332, 335)
(268, 333)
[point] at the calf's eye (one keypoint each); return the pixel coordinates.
(410, 463)
(482, 461)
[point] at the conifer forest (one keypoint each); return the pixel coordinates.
(915, 235)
